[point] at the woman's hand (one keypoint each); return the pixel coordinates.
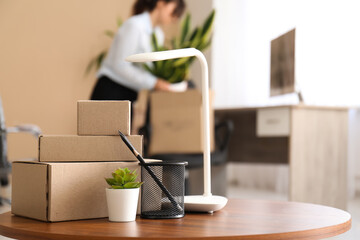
(162, 85)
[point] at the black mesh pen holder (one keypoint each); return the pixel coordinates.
(155, 202)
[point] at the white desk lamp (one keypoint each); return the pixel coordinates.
(206, 202)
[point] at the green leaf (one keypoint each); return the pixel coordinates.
(129, 177)
(185, 28)
(131, 185)
(117, 187)
(196, 40)
(120, 172)
(110, 181)
(119, 22)
(96, 62)
(196, 30)
(204, 45)
(154, 42)
(100, 59)
(168, 69)
(89, 67)
(176, 76)
(181, 61)
(119, 179)
(133, 178)
(208, 24)
(109, 33)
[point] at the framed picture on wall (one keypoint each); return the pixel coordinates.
(282, 70)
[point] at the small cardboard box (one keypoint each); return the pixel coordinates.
(176, 121)
(63, 191)
(72, 148)
(103, 118)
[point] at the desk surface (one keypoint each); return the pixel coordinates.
(298, 106)
(240, 219)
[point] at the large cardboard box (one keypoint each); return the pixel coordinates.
(72, 148)
(62, 191)
(103, 117)
(176, 121)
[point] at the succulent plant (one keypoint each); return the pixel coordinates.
(123, 178)
(177, 70)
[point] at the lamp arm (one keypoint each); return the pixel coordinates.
(189, 52)
(206, 121)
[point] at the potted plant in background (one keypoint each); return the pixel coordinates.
(176, 70)
(122, 196)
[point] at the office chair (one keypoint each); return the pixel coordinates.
(5, 165)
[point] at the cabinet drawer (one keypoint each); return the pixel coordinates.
(274, 122)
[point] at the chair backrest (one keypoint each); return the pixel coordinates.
(4, 164)
(2, 118)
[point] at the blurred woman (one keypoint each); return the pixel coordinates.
(121, 80)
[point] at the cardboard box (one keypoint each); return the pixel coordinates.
(140, 107)
(74, 148)
(103, 118)
(176, 121)
(63, 191)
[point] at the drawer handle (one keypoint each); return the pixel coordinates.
(273, 121)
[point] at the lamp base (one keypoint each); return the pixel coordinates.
(199, 203)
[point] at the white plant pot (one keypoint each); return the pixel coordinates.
(122, 204)
(179, 87)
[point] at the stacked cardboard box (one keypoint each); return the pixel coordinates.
(67, 182)
(178, 115)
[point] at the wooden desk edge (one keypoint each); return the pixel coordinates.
(324, 232)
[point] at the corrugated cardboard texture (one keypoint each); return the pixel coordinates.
(73, 148)
(103, 117)
(176, 120)
(29, 189)
(76, 190)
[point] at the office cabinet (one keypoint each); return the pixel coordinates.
(313, 140)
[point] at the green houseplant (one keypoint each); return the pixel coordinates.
(122, 195)
(175, 70)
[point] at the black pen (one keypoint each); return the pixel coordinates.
(152, 174)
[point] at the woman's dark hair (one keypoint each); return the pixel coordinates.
(141, 6)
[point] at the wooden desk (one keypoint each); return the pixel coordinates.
(240, 219)
(313, 140)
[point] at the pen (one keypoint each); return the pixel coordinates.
(152, 174)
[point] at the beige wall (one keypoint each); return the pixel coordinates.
(45, 46)
(199, 10)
